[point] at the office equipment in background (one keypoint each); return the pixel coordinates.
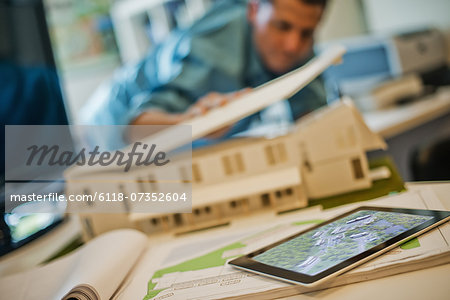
(403, 94)
(392, 92)
(382, 71)
(419, 51)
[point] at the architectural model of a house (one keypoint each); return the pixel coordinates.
(324, 154)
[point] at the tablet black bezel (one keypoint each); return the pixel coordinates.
(246, 261)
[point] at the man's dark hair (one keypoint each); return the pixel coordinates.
(315, 2)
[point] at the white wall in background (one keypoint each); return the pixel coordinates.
(78, 86)
(399, 15)
(343, 18)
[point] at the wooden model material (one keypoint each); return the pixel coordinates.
(333, 144)
(259, 98)
(323, 155)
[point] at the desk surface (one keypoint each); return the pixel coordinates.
(430, 283)
(392, 121)
(411, 126)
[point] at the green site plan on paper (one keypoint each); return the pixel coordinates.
(216, 258)
(210, 269)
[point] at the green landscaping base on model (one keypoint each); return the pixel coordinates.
(383, 187)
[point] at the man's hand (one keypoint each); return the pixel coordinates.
(211, 101)
(201, 107)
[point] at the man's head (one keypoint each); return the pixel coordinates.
(283, 30)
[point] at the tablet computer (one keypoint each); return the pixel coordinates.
(335, 246)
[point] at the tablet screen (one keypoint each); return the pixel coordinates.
(337, 245)
(327, 246)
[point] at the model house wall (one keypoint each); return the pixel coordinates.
(323, 155)
(333, 144)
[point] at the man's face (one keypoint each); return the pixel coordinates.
(283, 31)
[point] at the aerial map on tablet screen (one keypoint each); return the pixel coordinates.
(327, 246)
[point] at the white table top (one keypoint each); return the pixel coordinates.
(392, 121)
(431, 283)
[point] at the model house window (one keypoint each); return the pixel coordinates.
(226, 162)
(122, 190)
(196, 175)
(178, 219)
(152, 183)
(88, 192)
(270, 155)
(233, 164)
(265, 199)
(202, 211)
(88, 226)
(239, 162)
(275, 153)
(184, 176)
(357, 169)
(306, 164)
(140, 183)
(282, 156)
(238, 204)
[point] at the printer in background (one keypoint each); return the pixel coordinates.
(378, 72)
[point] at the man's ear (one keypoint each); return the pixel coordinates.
(252, 10)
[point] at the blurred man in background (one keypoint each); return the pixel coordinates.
(237, 45)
